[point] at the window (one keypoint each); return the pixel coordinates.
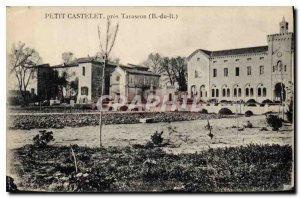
(225, 72)
(196, 74)
(84, 91)
(215, 73)
(264, 92)
(224, 92)
(118, 78)
(198, 59)
(261, 58)
(214, 61)
(251, 92)
(273, 68)
(237, 60)
(249, 59)
(237, 71)
(98, 71)
(217, 92)
(285, 68)
(249, 70)
(213, 92)
(247, 92)
(225, 61)
(83, 71)
(228, 92)
(259, 92)
(240, 92)
(261, 70)
(234, 92)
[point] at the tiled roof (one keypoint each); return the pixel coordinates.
(136, 71)
(238, 51)
(248, 50)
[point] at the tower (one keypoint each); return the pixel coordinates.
(283, 25)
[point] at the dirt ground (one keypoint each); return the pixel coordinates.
(182, 137)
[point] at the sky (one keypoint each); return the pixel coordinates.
(210, 28)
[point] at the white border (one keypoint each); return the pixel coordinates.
(5, 3)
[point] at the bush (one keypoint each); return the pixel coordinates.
(157, 138)
(204, 111)
(10, 185)
(41, 140)
(290, 113)
(274, 121)
(225, 111)
(248, 113)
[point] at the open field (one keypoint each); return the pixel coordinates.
(182, 137)
(189, 160)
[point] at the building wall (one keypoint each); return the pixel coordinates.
(85, 79)
(280, 52)
(253, 81)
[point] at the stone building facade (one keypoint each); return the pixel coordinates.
(132, 80)
(260, 73)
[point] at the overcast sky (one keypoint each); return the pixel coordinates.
(211, 28)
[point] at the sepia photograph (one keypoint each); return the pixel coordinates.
(150, 99)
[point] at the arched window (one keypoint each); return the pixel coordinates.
(228, 92)
(251, 92)
(224, 92)
(285, 68)
(259, 92)
(240, 92)
(264, 92)
(234, 92)
(196, 74)
(247, 92)
(201, 95)
(84, 91)
(217, 92)
(213, 92)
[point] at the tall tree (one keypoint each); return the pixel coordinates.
(179, 70)
(154, 62)
(22, 62)
(105, 48)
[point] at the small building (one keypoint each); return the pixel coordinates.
(132, 80)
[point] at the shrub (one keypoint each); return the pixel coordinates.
(157, 138)
(248, 113)
(10, 185)
(41, 140)
(225, 111)
(290, 113)
(274, 121)
(204, 111)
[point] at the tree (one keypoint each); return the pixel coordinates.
(179, 70)
(167, 70)
(63, 81)
(105, 48)
(22, 62)
(154, 62)
(67, 57)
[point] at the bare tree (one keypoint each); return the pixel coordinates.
(154, 63)
(67, 57)
(106, 47)
(22, 61)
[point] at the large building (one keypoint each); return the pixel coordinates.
(84, 81)
(260, 73)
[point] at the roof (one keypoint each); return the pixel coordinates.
(137, 69)
(229, 52)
